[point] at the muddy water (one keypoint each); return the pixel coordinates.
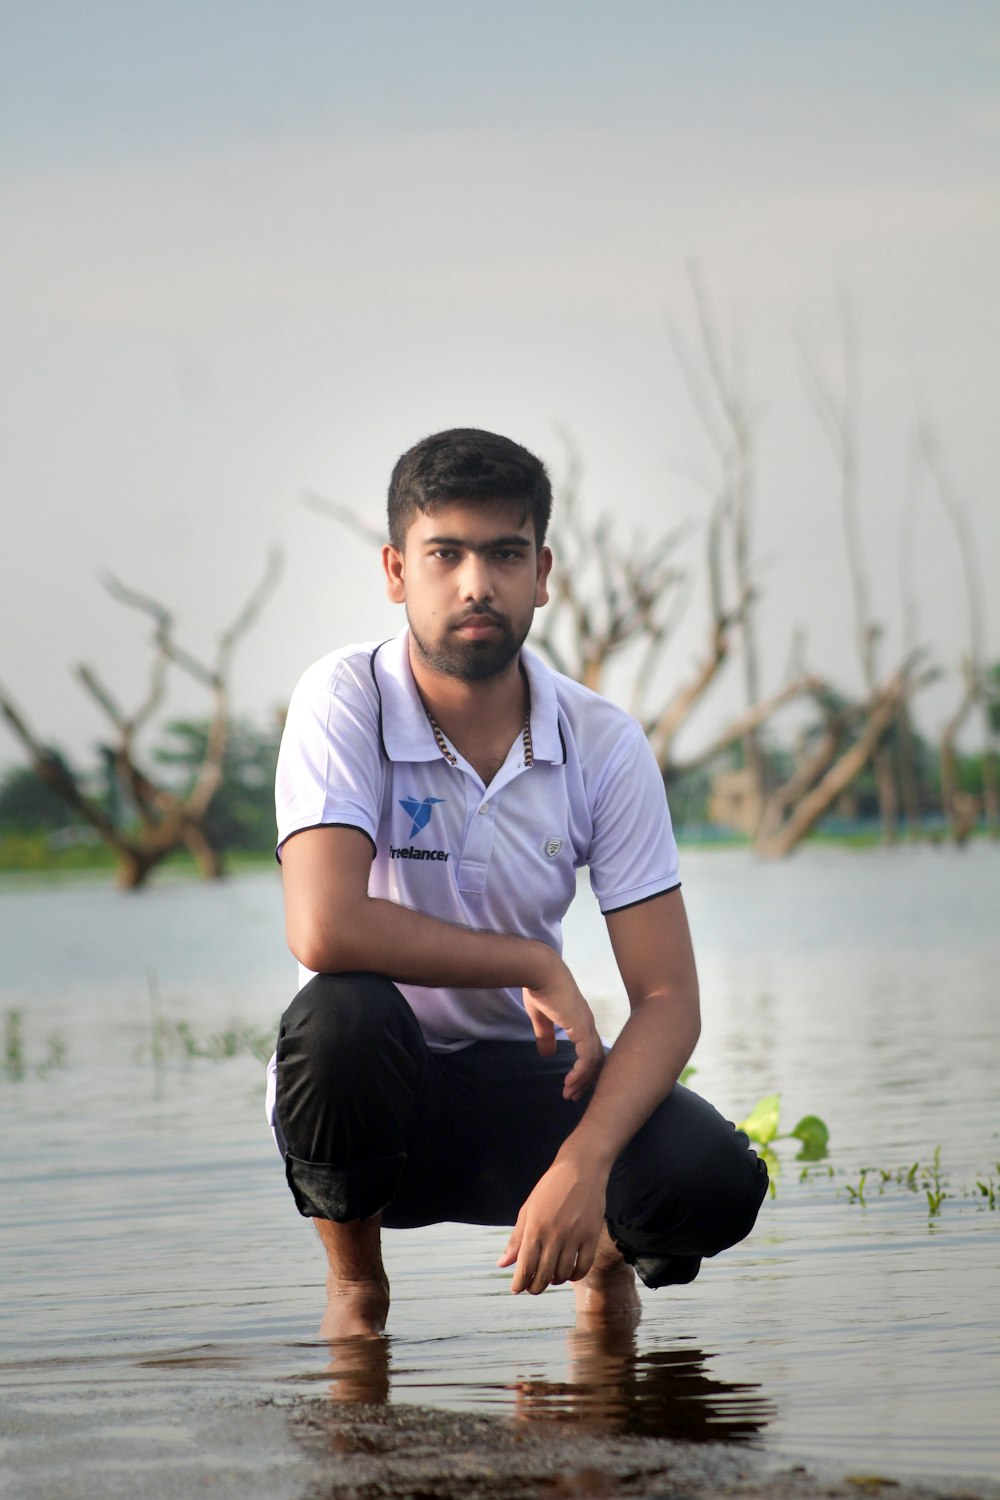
(149, 1255)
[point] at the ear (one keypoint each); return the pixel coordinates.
(544, 567)
(392, 566)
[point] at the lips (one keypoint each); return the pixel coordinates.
(479, 624)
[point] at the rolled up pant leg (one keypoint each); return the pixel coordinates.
(686, 1186)
(351, 1061)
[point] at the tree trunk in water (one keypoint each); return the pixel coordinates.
(888, 793)
(991, 789)
(908, 774)
(959, 807)
(134, 867)
(812, 806)
(208, 859)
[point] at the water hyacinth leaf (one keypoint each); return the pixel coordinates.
(687, 1073)
(815, 1137)
(761, 1124)
(773, 1164)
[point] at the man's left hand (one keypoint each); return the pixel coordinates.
(556, 1234)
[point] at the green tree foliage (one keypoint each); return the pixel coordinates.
(993, 697)
(241, 814)
(27, 805)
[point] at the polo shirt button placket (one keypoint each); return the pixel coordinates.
(477, 850)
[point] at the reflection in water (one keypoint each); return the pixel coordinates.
(612, 1389)
(359, 1369)
(663, 1394)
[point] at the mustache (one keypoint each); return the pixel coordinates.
(481, 612)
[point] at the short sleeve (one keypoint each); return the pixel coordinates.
(633, 854)
(330, 766)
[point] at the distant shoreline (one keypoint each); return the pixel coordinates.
(27, 860)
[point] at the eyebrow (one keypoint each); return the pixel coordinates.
(479, 547)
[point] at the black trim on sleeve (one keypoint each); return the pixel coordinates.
(310, 826)
(562, 740)
(641, 901)
(378, 691)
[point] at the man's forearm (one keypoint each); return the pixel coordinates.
(641, 1068)
(379, 936)
(558, 1228)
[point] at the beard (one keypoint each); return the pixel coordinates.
(471, 660)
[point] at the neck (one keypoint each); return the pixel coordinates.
(458, 705)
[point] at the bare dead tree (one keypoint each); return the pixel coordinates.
(849, 738)
(608, 598)
(908, 776)
(717, 389)
(605, 596)
(960, 807)
(345, 516)
(838, 411)
(163, 820)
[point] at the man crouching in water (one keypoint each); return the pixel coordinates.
(436, 795)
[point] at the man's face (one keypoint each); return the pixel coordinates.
(471, 578)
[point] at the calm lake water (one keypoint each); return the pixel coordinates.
(148, 1244)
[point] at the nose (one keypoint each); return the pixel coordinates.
(477, 579)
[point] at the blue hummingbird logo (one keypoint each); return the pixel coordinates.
(420, 812)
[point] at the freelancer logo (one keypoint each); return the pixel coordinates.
(420, 812)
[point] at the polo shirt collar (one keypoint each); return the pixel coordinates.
(547, 741)
(405, 728)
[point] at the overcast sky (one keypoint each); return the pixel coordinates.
(252, 249)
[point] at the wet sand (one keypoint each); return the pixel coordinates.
(318, 1449)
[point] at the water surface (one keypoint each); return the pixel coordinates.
(149, 1247)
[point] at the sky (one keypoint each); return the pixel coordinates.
(253, 250)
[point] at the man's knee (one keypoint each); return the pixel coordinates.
(722, 1182)
(737, 1191)
(687, 1184)
(350, 1067)
(339, 1024)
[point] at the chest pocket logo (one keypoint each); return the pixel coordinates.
(552, 847)
(420, 812)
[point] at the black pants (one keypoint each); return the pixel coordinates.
(369, 1120)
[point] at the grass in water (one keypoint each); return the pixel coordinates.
(926, 1179)
(177, 1040)
(16, 1065)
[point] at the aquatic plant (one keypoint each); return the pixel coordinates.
(15, 1059)
(761, 1125)
(176, 1039)
(921, 1179)
(13, 1044)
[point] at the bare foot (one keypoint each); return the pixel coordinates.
(607, 1294)
(355, 1309)
(357, 1288)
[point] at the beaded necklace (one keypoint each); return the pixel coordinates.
(452, 759)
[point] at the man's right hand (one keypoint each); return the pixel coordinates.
(558, 1002)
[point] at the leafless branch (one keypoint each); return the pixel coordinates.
(343, 514)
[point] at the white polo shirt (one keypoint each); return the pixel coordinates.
(359, 750)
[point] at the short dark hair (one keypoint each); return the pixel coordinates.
(467, 464)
